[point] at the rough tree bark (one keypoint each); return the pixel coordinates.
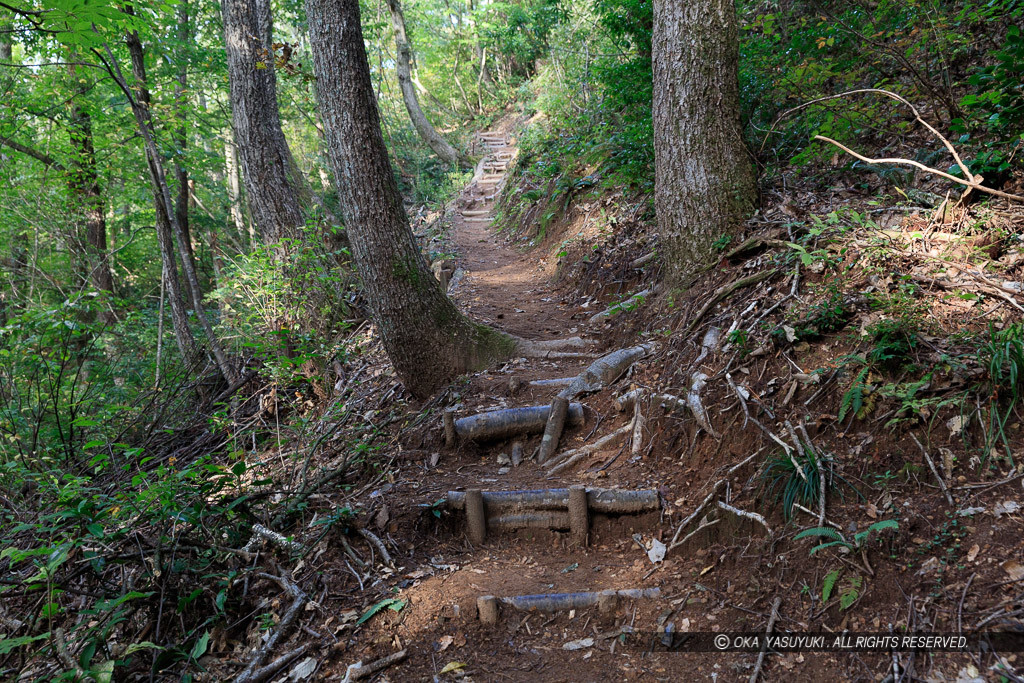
(276, 191)
(704, 180)
(426, 337)
(403, 67)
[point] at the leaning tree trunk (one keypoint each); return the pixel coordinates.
(426, 337)
(276, 191)
(182, 201)
(403, 66)
(165, 207)
(704, 180)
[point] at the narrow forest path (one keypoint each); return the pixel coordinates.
(531, 549)
(502, 286)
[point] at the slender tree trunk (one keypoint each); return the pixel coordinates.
(426, 337)
(164, 232)
(276, 191)
(164, 206)
(403, 67)
(183, 200)
(705, 185)
(87, 196)
(18, 241)
(478, 50)
(235, 192)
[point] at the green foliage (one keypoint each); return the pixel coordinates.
(788, 484)
(996, 108)
(393, 604)
(835, 538)
(1002, 357)
(853, 400)
(829, 583)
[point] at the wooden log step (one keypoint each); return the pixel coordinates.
(605, 501)
(501, 424)
(476, 212)
(553, 602)
(477, 220)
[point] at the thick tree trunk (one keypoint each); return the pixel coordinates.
(705, 184)
(276, 191)
(426, 337)
(403, 67)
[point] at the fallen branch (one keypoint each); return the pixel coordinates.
(552, 348)
(637, 438)
(643, 260)
(553, 428)
(378, 544)
(570, 458)
(768, 631)
(746, 515)
(60, 647)
(707, 501)
(358, 671)
(557, 382)
(598, 375)
(935, 472)
(696, 407)
(275, 666)
(622, 306)
(605, 370)
(283, 627)
(693, 533)
(970, 182)
(261, 534)
(821, 473)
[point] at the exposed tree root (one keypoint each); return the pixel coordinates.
(359, 671)
(622, 306)
(570, 458)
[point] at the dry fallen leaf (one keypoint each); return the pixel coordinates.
(452, 666)
(444, 642)
(973, 552)
(1013, 569)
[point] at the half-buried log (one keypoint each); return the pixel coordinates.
(543, 519)
(550, 602)
(501, 424)
(604, 501)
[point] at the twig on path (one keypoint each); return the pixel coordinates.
(935, 472)
(771, 625)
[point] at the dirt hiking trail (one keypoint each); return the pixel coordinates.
(545, 620)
